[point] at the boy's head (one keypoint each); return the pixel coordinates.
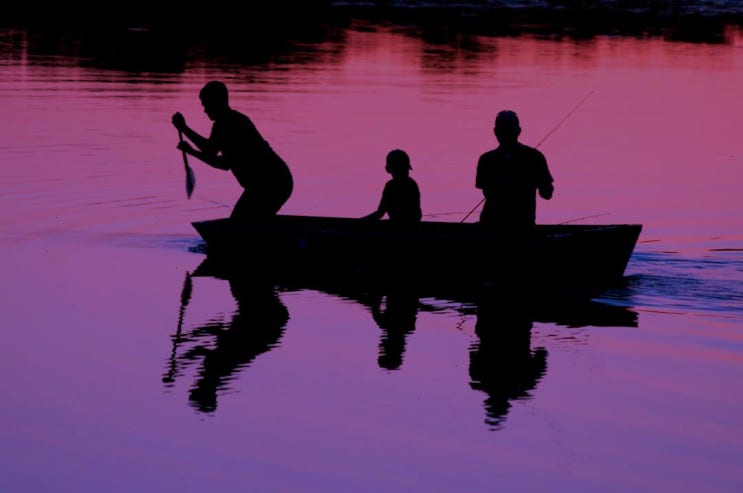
(398, 162)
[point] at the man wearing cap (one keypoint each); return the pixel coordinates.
(510, 176)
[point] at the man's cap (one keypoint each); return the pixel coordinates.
(507, 119)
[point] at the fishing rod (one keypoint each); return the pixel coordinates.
(436, 214)
(586, 217)
(537, 146)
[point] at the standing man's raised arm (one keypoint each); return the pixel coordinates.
(204, 150)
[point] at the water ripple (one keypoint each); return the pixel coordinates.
(673, 283)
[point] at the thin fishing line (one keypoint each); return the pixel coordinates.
(217, 202)
(566, 117)
(586, 217)
(443, 213)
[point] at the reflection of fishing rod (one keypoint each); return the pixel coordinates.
(169, 377)
(537, 146)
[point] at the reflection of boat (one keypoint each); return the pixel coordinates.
(567, 253)
(569, 308)
(503, 365)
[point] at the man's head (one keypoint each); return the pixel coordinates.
(214, 98)
(398, 162)
(507, 128)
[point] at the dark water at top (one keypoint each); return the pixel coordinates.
(120, 371)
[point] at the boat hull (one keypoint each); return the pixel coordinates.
(565, 254)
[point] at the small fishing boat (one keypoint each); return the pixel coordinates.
(570, 254)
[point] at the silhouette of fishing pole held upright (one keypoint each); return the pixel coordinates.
(535, 147)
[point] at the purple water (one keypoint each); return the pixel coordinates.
(119, 376)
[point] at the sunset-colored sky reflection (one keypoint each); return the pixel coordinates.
(117, 377)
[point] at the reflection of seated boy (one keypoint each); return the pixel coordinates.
(401, 199)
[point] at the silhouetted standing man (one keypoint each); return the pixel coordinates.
(510, 177)
(235, 144)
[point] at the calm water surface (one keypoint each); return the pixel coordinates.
(122, 373)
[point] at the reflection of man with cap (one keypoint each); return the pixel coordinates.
(510, 177)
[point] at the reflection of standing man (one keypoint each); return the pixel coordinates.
(502, 363)
(256, 327)
(510, 177)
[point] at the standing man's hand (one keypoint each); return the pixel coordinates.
(179, 122)
(545, 191)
